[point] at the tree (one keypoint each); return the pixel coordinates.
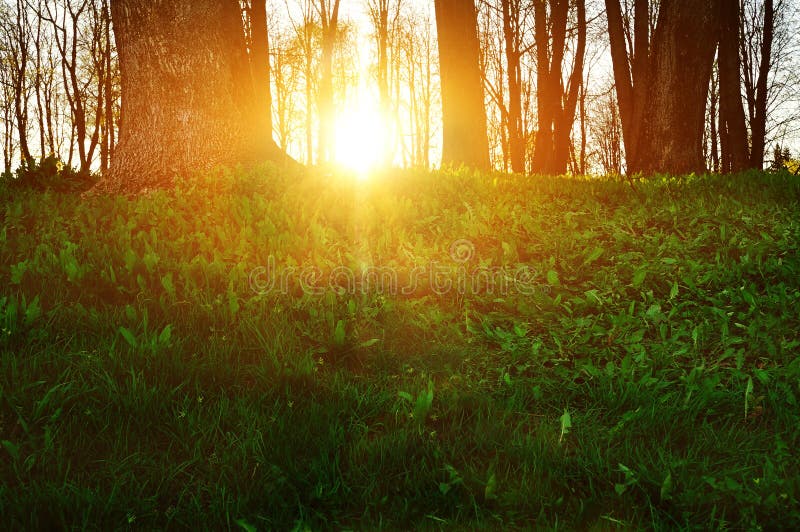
(463, 115)
(732, 129)
(188, 98)
(329, 20)
(258, 44)
(666, 72)
(305, 30)
(16, 47)
(513, 29)
(556, 102)
(606, 131)
(416, 51)
(386, 29)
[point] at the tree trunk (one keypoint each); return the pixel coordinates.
(758, 125)
(512, 37)
(623, 82)
(565, 118)
(463, 113)
(555, 103)
(713, 105)
(329, 19)
(188, 102)
(260, 62)
(662, 99)
(732, 123)
(682, 58)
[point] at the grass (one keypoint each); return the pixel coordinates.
(634, 365)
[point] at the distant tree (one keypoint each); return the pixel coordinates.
(770, 46)
(86, 107)
(16, 47)
(328, 11)
(306, 29)
(384, 16)
(416, 54)
(606, 131)
(188, 101)
(781, 157)
(286, 70)
(464, 138)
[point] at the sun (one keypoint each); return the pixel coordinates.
(359, 139)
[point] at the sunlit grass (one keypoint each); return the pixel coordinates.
(650, 381)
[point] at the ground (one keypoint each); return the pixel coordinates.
(259, 350)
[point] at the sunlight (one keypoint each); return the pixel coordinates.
(360, 139)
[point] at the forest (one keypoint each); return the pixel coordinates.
(399, 264)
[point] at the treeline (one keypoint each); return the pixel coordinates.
(59, 81)
(549, 86)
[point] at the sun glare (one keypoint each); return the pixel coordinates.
(359, 139)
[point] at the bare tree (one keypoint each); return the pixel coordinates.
(556, 100)
(385, 15)
(416, 52)
(328, 11)
(287, 67)
(306, 30)
(606, 131)
(17, 47)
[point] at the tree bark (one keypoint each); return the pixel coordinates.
(733, 132)
(511, 35)
(188, 102)
(260, 62)
(669, 80)
(682, 58)
(555, 103)
(758, 124)
(463, 113)
(565, 118)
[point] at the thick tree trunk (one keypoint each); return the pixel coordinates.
(682, 58)
(188, 101)
(463, 113)
(733, 131)
(663, 98)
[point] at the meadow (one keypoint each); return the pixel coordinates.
(263, 350)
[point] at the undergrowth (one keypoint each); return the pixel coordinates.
(259, 350)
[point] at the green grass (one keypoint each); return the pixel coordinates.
(643, 373)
